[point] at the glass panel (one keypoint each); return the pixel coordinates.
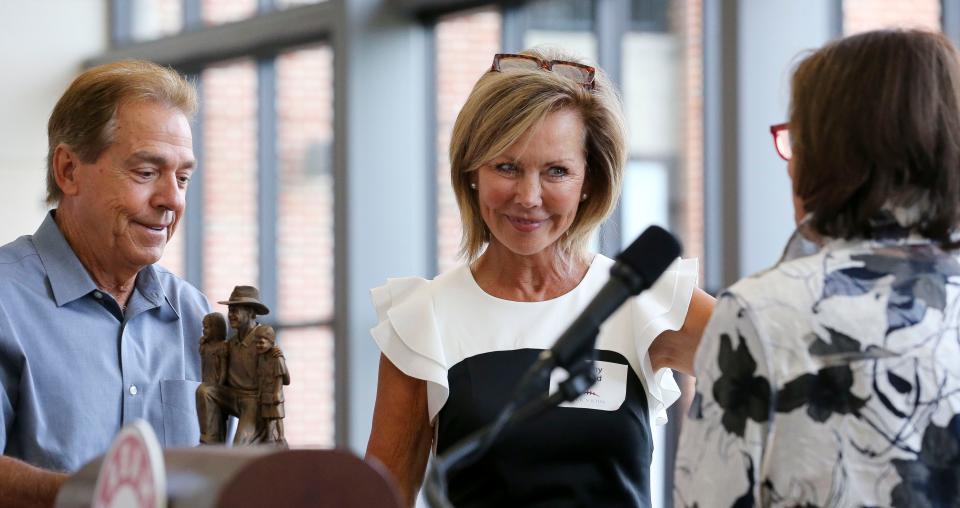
(230, 177)
(661, 72)
(863, 15)
(153, 19)
(466, 43)
(215, 12)
(650, 15)
(305, 238)
(567, 24)
(661, 83)
(645, 199)
(565, 15)
(651, 98)
(309, 399)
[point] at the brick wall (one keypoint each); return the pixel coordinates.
(687, 23)
(466, 43)
(863, 15)
(156, 18)
(305, 239)
(229, 172)
(215, 12)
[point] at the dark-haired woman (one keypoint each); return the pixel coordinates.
(833, 379)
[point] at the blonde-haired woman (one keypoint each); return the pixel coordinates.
(537, 159)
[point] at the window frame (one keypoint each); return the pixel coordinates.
(263, 37)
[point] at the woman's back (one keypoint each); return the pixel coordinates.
(837, 383)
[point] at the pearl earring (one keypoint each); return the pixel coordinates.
(473, 185)
(583, 197)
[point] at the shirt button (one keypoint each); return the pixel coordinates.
(133, 389)
(98, 295)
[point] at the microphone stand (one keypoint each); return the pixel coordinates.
(471, 448)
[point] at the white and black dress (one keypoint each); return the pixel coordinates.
(471, 348)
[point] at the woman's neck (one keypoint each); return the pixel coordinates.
(527, 278)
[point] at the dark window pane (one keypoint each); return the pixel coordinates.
(572, 15)
(650, 15)
(563, 24)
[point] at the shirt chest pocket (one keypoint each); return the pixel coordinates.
(180, 424)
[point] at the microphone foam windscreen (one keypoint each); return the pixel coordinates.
(651, 253)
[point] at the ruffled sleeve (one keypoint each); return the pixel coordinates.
(663, 307)
(407, 335)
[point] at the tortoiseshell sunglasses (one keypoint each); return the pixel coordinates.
(583, 74)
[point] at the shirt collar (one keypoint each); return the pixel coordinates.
(69, 279)
(149, 287)
(888, 228)
(247, 339)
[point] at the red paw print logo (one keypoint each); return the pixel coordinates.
(132, 472)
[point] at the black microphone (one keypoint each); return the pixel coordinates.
(635, 270)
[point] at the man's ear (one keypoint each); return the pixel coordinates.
(65, 165)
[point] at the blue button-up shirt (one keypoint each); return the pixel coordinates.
(74, 368)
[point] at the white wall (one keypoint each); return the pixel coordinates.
(42, 47)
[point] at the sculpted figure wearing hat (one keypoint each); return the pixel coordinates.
(238, 394)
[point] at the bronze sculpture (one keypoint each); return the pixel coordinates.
(238, 389)
(213, 349)
(272, 375)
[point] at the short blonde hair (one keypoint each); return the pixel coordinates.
(505, 105)
(85, 116)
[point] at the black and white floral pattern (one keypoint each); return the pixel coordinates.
(832, 379)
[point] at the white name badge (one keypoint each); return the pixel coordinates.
(607, 394)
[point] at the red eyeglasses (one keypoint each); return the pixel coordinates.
(583, 74)
(781, 140)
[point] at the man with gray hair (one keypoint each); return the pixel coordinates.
(93, 334)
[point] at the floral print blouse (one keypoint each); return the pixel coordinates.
(832, 379)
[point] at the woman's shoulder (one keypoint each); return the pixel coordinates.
(397, 290)
(408, 331)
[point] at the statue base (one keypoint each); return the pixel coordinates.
(214, 476)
